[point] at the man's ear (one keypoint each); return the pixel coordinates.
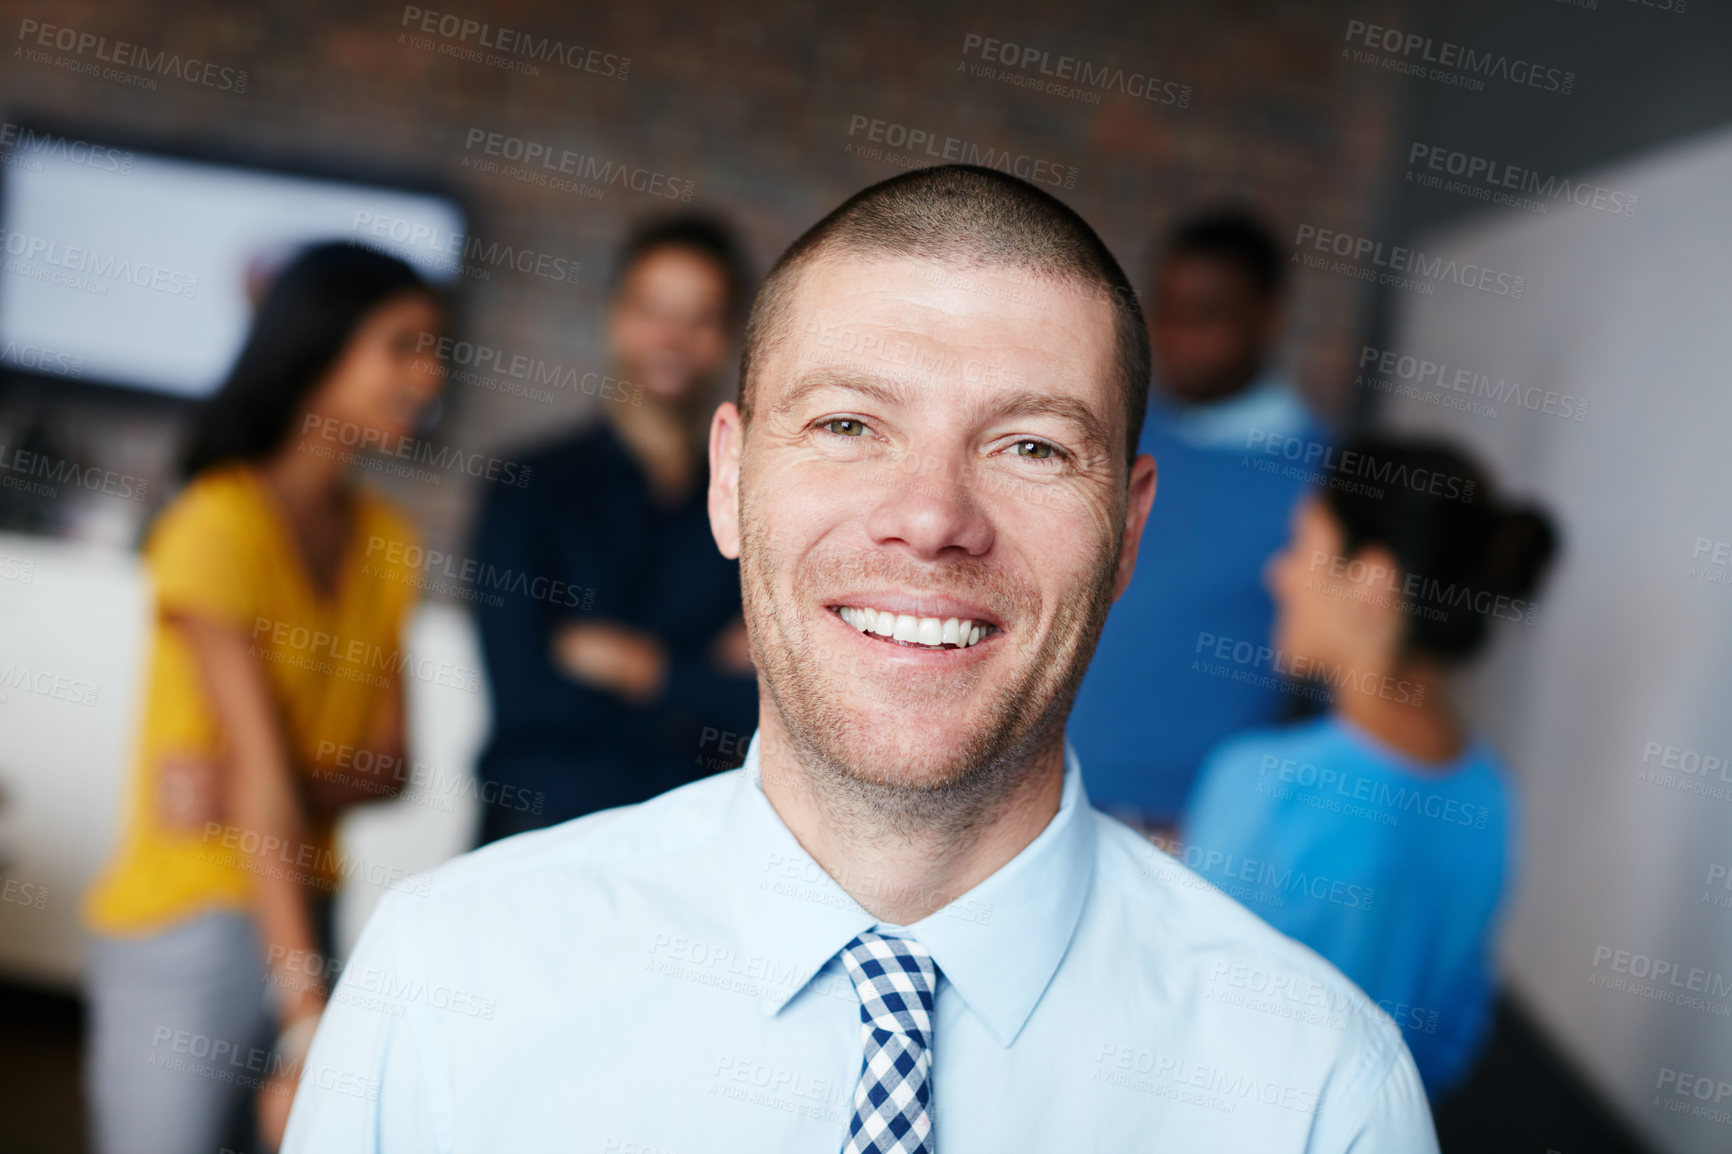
(1141, 498)
(727, 438)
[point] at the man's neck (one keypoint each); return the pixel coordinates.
(901, 874)
(1220, 391)
(662, 439)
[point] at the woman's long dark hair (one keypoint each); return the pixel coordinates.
(1455, 539)
(307, 316)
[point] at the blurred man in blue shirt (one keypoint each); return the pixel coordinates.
(1220, 425)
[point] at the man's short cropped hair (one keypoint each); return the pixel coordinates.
(704, 235)
(1235, 236)
(968, 218)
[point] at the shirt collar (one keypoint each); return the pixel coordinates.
(998, 945)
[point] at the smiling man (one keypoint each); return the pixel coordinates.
(900, 927)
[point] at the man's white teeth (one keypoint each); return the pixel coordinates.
(928, 631)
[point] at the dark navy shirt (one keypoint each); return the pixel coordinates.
(597, 545)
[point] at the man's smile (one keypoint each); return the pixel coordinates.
(917, 621)
(921, 632)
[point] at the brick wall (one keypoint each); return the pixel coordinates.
(754, 107)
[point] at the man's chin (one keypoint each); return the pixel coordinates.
(919, 750)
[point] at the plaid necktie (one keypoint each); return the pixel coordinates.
(896, 980)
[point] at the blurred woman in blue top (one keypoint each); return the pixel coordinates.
(1381, 835)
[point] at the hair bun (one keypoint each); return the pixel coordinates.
(1521, 546)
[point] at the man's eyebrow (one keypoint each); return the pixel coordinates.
(878, 388)
(1027, 403)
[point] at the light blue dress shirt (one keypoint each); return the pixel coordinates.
(663, 979)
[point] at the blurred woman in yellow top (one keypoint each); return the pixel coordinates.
(274, 672)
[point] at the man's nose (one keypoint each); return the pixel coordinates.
(931, 504)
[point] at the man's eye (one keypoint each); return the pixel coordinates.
(845, 426)
(1034, 450)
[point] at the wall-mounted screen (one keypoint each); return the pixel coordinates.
(139, 269)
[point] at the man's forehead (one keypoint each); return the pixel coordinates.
(921, 318)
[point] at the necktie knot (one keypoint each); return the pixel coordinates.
(897, 981)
